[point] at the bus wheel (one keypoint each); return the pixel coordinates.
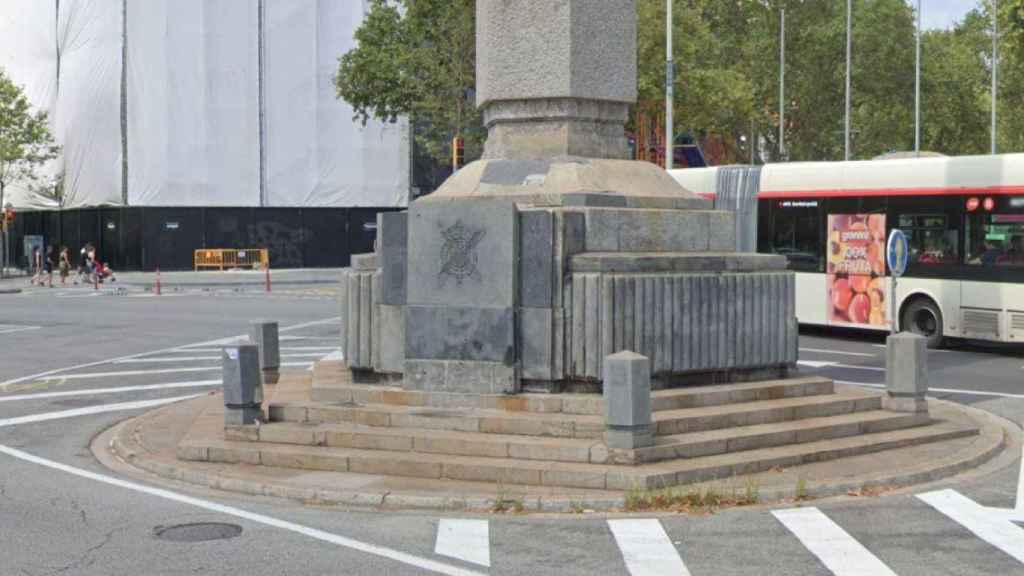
(923, 317)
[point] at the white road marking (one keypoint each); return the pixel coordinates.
(936, 350)
(838, 352)
(89, 410)
(309, 348)
(819, 364)
(841, 553)
(837, 550)
(88, 375)
(158, 359)
(8, 383)
(296, 364)
(940, 390)
(1020, 485)
(148, 360)
(985, 523)
(334, 356)
(388, 553)
(94, 391)
(467, 540)
(9, 328)
(317, 349)
(646, 548)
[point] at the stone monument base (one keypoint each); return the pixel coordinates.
(527, 273)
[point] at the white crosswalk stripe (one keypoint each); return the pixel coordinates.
(647, 549)
(992, 526)
(467, 540)
(838, 551)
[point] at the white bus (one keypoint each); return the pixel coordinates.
(963, 216)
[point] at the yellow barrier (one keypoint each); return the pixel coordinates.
(254, 258)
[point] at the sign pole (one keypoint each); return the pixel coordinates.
(892, 300)
(896, 252)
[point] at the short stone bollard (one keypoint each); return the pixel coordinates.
(906, 373)
(627, 401)
(263, 333)
(243, 392)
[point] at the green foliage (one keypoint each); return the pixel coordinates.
(416, 58)
(25, 140)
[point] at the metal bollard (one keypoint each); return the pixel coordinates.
(243, 392)
(906, 373)
(627, 401)
(263, 333)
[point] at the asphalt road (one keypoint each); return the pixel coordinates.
(61, 512)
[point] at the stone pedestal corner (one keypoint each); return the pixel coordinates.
(906, 373)
(627, 401)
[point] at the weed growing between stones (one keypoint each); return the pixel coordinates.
(801, 489)
(693, 499)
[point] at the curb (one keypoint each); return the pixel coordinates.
(10, 290)
(134, 455)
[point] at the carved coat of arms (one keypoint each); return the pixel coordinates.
(458, 252)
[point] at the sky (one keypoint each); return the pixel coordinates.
(943, 13)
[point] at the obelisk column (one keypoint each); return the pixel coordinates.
(556, 77)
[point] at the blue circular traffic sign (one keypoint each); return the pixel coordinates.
(897, 250)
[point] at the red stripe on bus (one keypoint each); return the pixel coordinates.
(964, 191)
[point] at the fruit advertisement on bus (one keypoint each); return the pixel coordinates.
(856, 270)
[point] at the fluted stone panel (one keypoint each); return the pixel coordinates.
(683, 323)
(359, 316)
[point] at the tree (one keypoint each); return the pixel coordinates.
(417, 58)
(25, 142)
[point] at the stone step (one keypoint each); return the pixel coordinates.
(577, 475)
(693, 445)
(561, 425)
(843, 401)
(334, 388)
(722, 394)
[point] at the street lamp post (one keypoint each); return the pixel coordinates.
(917, 87)
(782, 87)
(995, 70)
(669, 89)
(849, 45)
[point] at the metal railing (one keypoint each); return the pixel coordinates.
(222, 258)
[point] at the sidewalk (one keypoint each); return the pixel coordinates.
(241, 279)
(149, 444)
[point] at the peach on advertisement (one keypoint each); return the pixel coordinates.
(841, 294)
(860, 309)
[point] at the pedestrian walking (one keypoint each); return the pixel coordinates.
(37, 267)
(49, 263)
(64, 265)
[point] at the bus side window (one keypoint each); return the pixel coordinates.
(795, 233)
(995, 239)
(933, 235)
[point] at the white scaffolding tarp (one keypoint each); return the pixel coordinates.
(28, 54)
(316, 155)
(87, 116)
(196, 132)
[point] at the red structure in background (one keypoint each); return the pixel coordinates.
(648, 140)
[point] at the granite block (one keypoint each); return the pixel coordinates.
(536, 229)
(536, 328)
(459, 333)
(392, 245)
(462, 253)
(391, 338)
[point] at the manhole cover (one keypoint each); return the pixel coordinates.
(197, 532)
(76, 402)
